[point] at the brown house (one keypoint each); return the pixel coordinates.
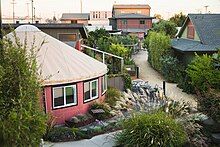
(67, 33)
(131, 19)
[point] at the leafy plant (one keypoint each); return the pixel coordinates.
(22, 120)
(58, 134)
(159, 46)
(178, 19)
(203, 74)
(151, 130)
(112, 95)
(106, 114)
(170, 68)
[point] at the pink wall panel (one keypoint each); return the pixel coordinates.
(63, 114)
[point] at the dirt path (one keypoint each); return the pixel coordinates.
(147, 73)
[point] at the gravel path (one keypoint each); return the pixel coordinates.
(147, 73)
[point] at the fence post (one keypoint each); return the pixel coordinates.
(103, 58)
(122, 65)
(137, 71)
(164, 88)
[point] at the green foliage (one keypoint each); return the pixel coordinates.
(209, 104)
(127, 80)
(170, 68)
(151, 130)
(105, 107)
(22, 121)
(159, 46)
(178, 19)
(203, 73)
(112, 95)
(119, 50)
(168, 27)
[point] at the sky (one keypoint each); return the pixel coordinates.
(49, 8)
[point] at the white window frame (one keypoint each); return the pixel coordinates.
(104, 83)
(90, 90)
(64, 92)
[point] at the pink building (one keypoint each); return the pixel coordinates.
(71, 80)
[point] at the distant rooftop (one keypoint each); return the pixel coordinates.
(131, 6)
(67, 16)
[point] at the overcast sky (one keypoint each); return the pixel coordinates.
(47, 8)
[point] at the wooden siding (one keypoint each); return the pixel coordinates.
(134, 24)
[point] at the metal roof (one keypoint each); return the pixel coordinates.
(58, 62)
(72, 16)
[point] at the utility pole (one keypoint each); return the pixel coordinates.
(13, 3)
(34, 14)
(28, 10)
(206, 8)
(81, 6)
(32, 11)
(1, 36)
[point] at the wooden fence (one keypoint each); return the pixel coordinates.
(116, 82)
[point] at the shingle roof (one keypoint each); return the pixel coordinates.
(186, 45)
(207, 27)
(67, 16)
(131, 6)
(133, 15)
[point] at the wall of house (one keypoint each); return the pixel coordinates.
(66, 113)
(55, 32)
(79, 21)
(143, 11)
(184, 35)
(134, 24)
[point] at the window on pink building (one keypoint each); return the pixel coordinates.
(64, 96)
(104, 84)
(90, 90)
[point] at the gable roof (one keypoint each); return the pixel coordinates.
(58, 62)
(207, 27)
(132, 16)
(68, 16)
(118, 6)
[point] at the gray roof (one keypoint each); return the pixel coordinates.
(67, 16)
(207, 27)
(186, 45)
(132, 15)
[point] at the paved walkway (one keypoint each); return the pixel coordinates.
(147, 73)
(104, 140)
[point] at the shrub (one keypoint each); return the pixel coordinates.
(159, 46)
(170, 68)
(22, 121)
(151, 130)
(203, 74)
(112, 95)
(60, 134)
(103, 106)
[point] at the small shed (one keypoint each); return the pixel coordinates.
(71, 80)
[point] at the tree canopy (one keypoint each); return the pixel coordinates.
(178, 19)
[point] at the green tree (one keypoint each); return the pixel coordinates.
(169, 28)
(178, 19)
(159, 46)
(22, 120)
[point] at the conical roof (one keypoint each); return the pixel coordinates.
(58, 63)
